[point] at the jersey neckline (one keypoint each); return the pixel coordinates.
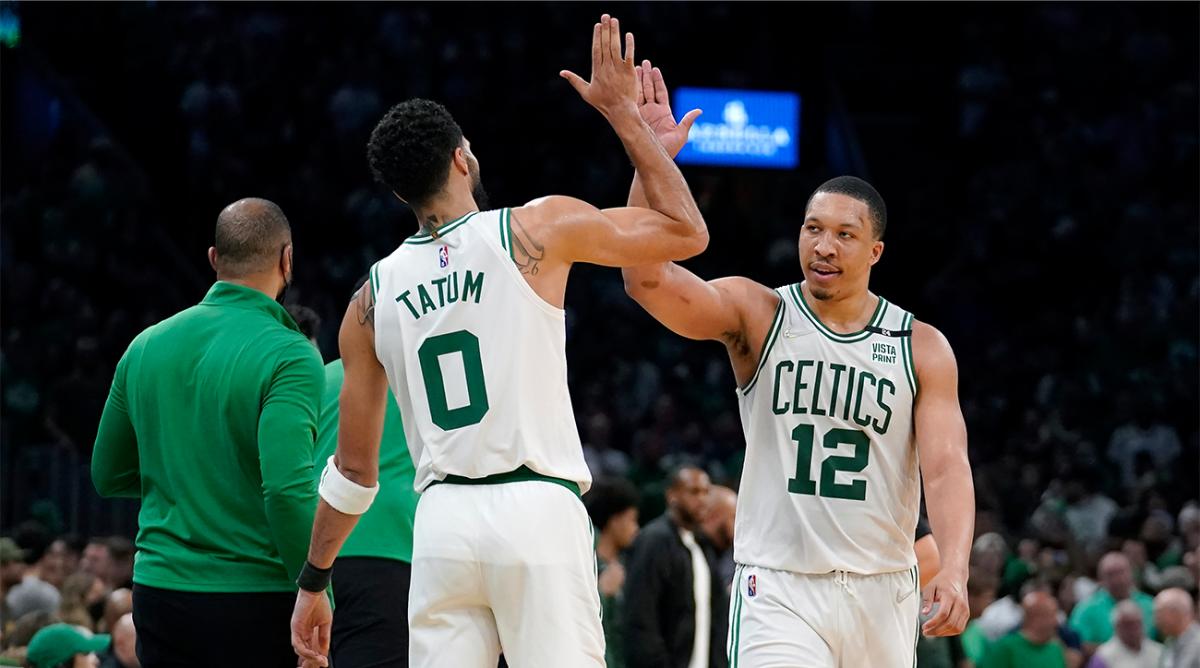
(876, 318)
(426, 237)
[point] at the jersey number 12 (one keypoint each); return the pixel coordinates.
(830, 488)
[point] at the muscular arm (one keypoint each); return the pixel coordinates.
(942, 445)
(361, 407)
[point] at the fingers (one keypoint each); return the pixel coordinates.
(326, 632)
(605, 39)
(646, 90)
(660, 87)
(614, 40)
(640, 90)
(575, 80)
(629, 49)
(689, 119)
(597, 51)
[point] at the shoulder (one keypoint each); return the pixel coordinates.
(931, 351)
(552, 208)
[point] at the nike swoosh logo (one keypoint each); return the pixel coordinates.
(792, 334)
(901, 596)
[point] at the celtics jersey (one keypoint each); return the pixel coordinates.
(476, 359)
(831, 479)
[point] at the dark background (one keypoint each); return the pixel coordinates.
(1039, 162)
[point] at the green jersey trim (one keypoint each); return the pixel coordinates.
(910, 368)
(374, 276)
(506, 221)
(772, 334)
(521, 474)
(876, 317)
(425, 237)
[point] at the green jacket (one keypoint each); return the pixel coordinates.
(211, 421)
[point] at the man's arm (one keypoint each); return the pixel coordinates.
(361, 408)
(670, 226)
(287, 429)
(949, 491)
(115, 470)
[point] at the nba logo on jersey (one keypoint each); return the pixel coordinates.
(752, 585)
(444, 257)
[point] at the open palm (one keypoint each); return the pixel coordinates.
(654, 105)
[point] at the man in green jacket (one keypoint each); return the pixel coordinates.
(211, 421)
(373, 570)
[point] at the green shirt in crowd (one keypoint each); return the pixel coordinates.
(212, 421)
(1092, 617)
(1015, 651)
(386, 529)
(975, 642)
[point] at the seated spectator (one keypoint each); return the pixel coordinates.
(1036, 643)
(123, 653)
(65, 646)
(1129, 647)
(1175, 615)
(1092, 618)
(81, 592)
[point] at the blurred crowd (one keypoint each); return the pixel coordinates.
(1042, 193)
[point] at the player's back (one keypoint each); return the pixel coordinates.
(475, 358)
(831, 477)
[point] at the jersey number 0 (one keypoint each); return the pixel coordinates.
(466, 344)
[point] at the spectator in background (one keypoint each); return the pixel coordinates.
(222, 462)
(123, 653)
(612, 503)
(32, 593)
(675, 606)
(65, 646)
(116, 605)
(308, 321)
(981, 592)
(58, 562)
(1142, 434)
(1175, 615)
(120, 570)
(1092, 618)
(1129, 647)
(17, 640)
(1036, 644)
(718, 528)
(81, 592)
(1088, 512)
(12, 570)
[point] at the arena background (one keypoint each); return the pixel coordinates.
(1039, 163)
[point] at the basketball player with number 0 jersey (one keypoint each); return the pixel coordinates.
(846, 401)
(465, 323)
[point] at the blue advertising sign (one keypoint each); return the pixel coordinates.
(741, 128)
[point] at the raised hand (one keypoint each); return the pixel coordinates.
(654, 105)
(613, 87)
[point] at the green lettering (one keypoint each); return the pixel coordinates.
(882, 429)
(849, 395)
(404, 297)
(816, 399)
(837, 377)
(475, 286)
(441, 283)
(862, 377)
(427, 304)
(775, 407)
(800, 385)
(452, 288)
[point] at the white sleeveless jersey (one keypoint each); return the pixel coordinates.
(475, 358)
(831, 478)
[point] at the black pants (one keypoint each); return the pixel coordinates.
(181, 629)
(370, 617)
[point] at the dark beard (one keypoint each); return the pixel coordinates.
(479, 194)
(287, 283)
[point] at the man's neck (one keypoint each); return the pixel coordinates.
(438, 213)
(264, 284)
(606, 548)
(844, 314)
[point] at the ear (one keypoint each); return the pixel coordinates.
(285, 261)
(212, 257)
(460, 162)
(876, 252)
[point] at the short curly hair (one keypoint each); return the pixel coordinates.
(411, 148)
(852, 186)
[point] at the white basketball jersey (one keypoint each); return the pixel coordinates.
(476, 359)
(831, 479)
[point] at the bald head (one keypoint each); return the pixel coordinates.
(718, 523)
(250, 237)
(1040, 624)
(1173, 611)
(124, 640)
(118, 603)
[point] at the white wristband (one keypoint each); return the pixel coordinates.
(345, 495)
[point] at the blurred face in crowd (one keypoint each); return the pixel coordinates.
(97, 560)
(86, 661)
(124, 641)
(623, 527)
(718, 524)
(1116, 575)
(11, 573)
(1173, 612)
(1041, 617)
(837, 246)
(687, 497)
(1128, 626)
(54, 566)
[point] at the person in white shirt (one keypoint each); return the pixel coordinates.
(1129, 646)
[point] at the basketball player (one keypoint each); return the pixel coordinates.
(846, 402)
(465, 322)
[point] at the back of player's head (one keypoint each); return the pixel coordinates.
(852, 186)
(607, 498)
(411, 148)
(250, 236)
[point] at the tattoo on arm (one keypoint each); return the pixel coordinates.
(364, 300)
(527, 251)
